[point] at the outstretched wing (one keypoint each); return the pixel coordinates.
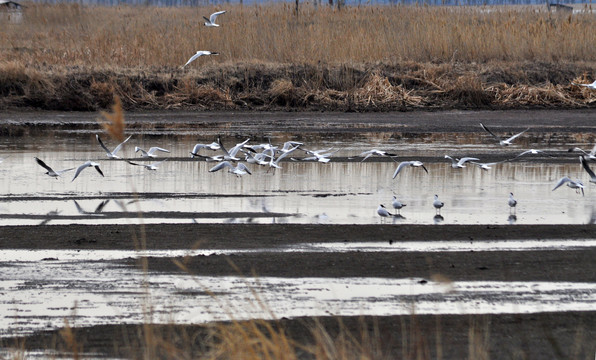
(587, 167)
(563, 180)
(516, 135)
(43, 165)
(193, 58)
(401, 166)
(120, 145)
(155, 148)
(220, 166)
(490, 132)
(102, 145)
(215, 15)
(243, 167)
(96, 166)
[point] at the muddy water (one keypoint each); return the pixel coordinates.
(343, 191)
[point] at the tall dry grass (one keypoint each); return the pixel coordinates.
(131, 37)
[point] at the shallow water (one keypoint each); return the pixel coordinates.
(340, 192)
(40, 289)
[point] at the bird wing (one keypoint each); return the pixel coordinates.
(156, 164)
(235, 149)
(60, 172)
(199, 53)
(516, 135)
(79, 208)
(220, 166)
(134, 163)
(117, 148)
(243, 167)
(490, 132)
(222, 148)
(424, 168)
(367, 156)
(215, 15)
(101, 205)
(155, 148)
(466, 159)
(102, 145)
(81, 168)
(563, 180)
(96, 166)
(587, 167)
(401, 166)
(206, 19)
(593, 152)
(43, 165)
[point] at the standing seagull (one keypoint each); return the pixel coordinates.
(512, 202)
(414, 163)
(51, 172)
(112, 154)
(86, 165)
(211, 21)
(397, 205)
(382, 211)
(151, 152)
(199, 53)
(503, 142)
(438, 204)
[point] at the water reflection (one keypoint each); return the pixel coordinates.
(300, 192)
(512, 219)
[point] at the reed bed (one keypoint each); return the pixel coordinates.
(359, 58)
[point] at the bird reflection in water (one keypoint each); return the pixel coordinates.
(512, 219)
(438, 219)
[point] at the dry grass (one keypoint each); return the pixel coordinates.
(70, 57)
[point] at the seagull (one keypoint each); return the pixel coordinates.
(590, 86)
(98, 209)
(153, 166)
(274, 163)
(112, 154)
(320, 155)
(397, 205)
(50, 171)
(151, 151)
(591, 155)
(586, 167)
(289, 146)
(376, 152)
(231, 155)
(195, 150)
(504, 142)
(86, 165)
(259, 158)
(382, 211)
(239, 170)
(199, 53)
(460, 162)
(211, 21)
(414, 163)
(533, 152)
(485, 166)
(512, 202)
(577, 185)
(438, 204)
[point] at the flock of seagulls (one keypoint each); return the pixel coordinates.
(459, 163)
(236, 159)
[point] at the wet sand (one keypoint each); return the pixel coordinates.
(543, 335)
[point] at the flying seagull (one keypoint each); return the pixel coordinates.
(112, 154)
(577, 185)
(376, 152)
(150, 152)
(50, 171)
(198, 54)
(459, 163)
(589, 86)
(503, 142)
(586, 167)
(414, 163)
(591, 155)
(153, 166)
(211, 21)
(195, 150)
(239, 170)
(86, 165)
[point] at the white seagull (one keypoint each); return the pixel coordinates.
(533, 152)
(512, 202)
(485, 166)
(591, 155)
(211, 21)
(274, 162)
(86, 165)
(320, 155)
(195, 150)
(153, 166)
(376, 152)
(112, 154)
(459, 163)
(586, 167)
(382, 211)
(590, 86)
(198, 54)
(397, 205)
(577, 185)
(50, 171)
(503, 142)
(151, 152)
(438, 204)
(239, 169)
(414, 163)
(231, 155)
